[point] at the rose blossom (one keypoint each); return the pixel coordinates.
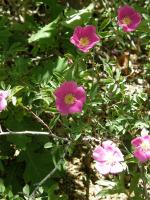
(128, 18)
(142, 148)
(108, 158)
(85, 37)
(3, 101)
(70, 98)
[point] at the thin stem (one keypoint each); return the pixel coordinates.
(31, 133)
(23, 133)
(51, 134)
(33, 194)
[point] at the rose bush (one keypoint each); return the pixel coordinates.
(74, 85)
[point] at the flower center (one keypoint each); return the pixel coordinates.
(69, 99)
(127, 20)
(84, 41)
(145, 145)
(111, 159)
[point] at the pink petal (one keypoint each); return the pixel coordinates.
(76, 107)
(78, 31)
(66, 88)
(136, 20)
(109, 146)
(3, 104)
(140, 155)
(137, 141)
(4, 94)
(116, 168)
(89, 30)
(146, 137)
(74, 40)
(148, 155)
(94, 39)
(83, 49)
(108, 143)
(118, 155)
(68, 109)
(99, 154)
(70, 87)
(103, 168)
(125, 11)
(80, 94)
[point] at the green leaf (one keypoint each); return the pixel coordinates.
(61, 64)
(26, 190)
(37, 165)
(48, 145)
(2, 187)
(104, 24)
(45, 32)
(78, 17)
(16, 89)
(20, 141)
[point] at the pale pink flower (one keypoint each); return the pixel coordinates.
(85, 37)
(70, 98)
(3, 101)
(142, 148)
(108, 158)
(128, 18)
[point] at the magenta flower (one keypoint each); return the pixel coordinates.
(128, 18)
(85, 37)
(142, 148)
(108, 158)
(3, 101)
(70, 98)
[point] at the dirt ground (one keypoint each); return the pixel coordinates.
(82, 181)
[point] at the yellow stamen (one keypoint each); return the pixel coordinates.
(127, 20)
(145, 145)
(69, 99)
(84, 41)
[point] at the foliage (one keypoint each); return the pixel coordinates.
(36, 56)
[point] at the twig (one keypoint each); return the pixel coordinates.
(1, 129)
(51, 134)
(90, 138)
(32, 133)
(38, 119)
(24, 133)
(32, 196)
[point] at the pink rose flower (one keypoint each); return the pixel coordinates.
(85, 37)
(142, 148)
(3, 102)
(128, 18)
(70, 98)
(108, 158)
